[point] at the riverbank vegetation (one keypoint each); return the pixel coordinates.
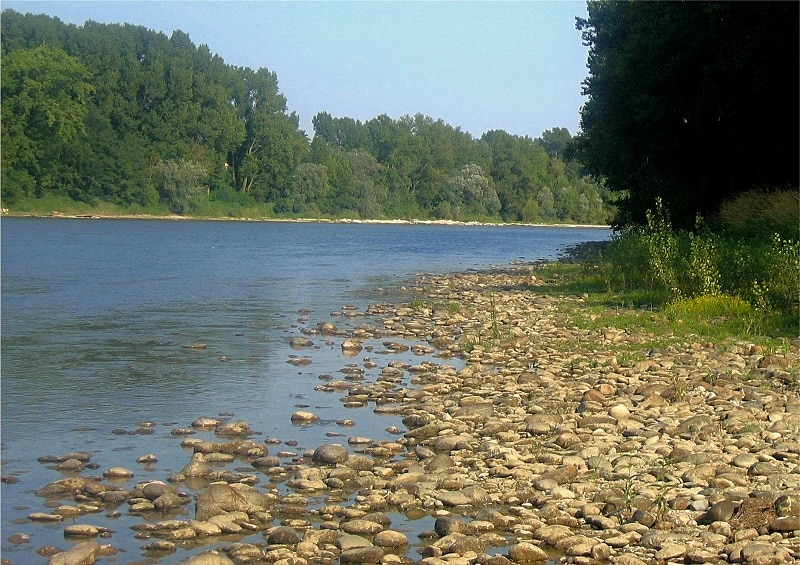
(687, 122)
(712, 281)
(107, 116)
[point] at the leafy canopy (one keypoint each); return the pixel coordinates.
(693, 102)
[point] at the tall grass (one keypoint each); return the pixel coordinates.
(679, 266)
(761, 213)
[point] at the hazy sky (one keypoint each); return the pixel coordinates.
(516, 66)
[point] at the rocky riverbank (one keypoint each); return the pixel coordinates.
(551, 443)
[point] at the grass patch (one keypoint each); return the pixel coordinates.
(711, 281)
(657, 321)
(715, 316)
(52, 205)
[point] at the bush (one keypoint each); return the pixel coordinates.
(761, 213)
(783, 276)
(625, 264)
(703, 270)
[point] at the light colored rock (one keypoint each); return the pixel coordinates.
(118, 473)
(619, 411)
(361, 527)
(81, 531)
(390, 538)
(525, 552)
(304, 417)
(85, 553)
(211, 557)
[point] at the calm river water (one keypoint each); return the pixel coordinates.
(95, 314)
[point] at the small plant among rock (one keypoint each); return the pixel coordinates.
(679, 387)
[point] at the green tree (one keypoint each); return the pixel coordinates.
(368, 190)
(180, 183)
(45, 94)
(547, 204)
(273, 144)
(555, 141)
(690, 102)
(308, 188)
(519, 169)
(345, 133)
(469, 195)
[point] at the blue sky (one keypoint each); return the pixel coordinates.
(515, 66)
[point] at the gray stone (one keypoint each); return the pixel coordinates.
(453, 498)
(446, 525)
(785, 524)
(197, 467)
(765, 554)
(721, 511)
(283, 535)
(330, 454)
(347, 542)
(787, 505)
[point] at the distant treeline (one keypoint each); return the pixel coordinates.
(122, 114)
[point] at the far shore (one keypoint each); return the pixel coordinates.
(413, 221)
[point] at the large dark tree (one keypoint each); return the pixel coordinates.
(692, 102)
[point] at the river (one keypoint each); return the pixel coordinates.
(96, 314)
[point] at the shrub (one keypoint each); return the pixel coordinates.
(760, 213)
(702, 273)
(783, 277)
(625, 264)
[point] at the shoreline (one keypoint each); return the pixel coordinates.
(552, 443)
(413, 221)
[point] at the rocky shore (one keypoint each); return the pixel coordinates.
(552, 443)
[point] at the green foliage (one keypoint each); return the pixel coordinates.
(45, 94)
(179, 183)
(690, 102)
(108, 113)
(702, 269)
(536, 184)
(721, 314)
(155, 100)
(469, 194)
(662, 249)
(761, 213)
(309, 185)
(782, 277)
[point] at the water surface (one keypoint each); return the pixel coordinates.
(95, 314)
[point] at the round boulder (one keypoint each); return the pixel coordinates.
(390, 538)
(304, 417)
(118, 473)
(330, 454)
(283, 535)
(197, 467)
